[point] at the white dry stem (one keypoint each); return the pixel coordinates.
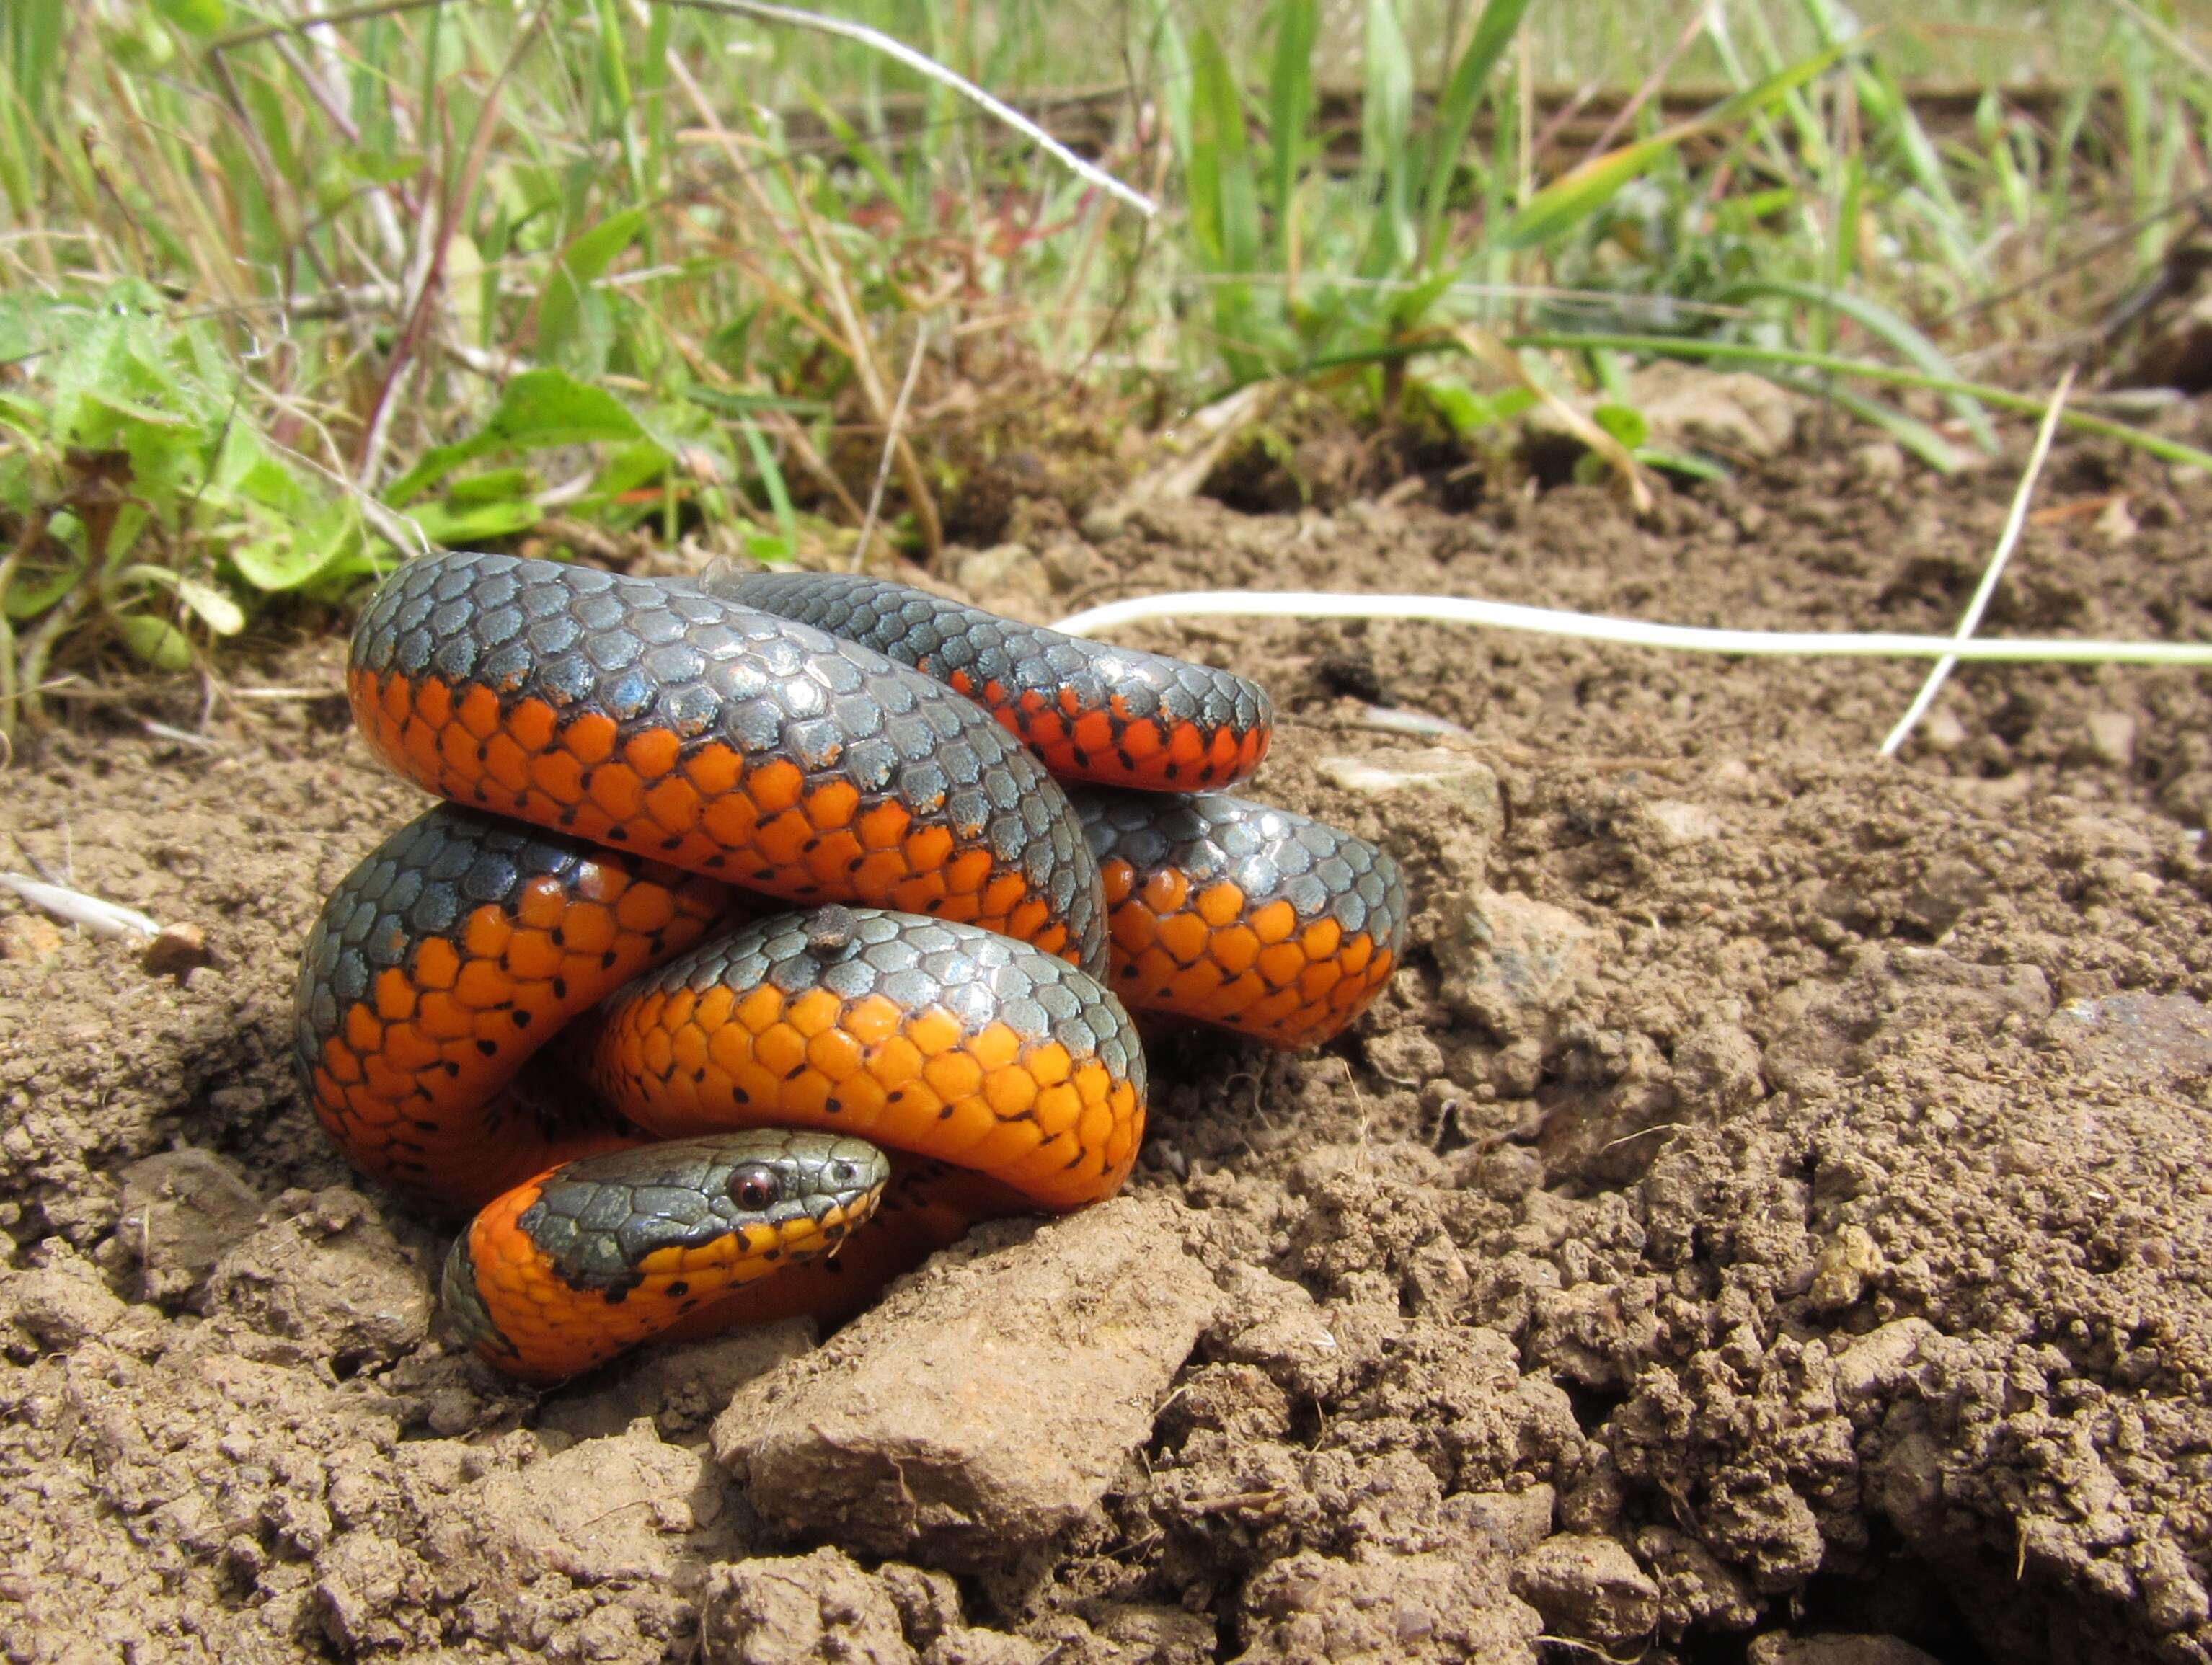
(2006, 542)
(1634, 633)
(922, 65)
(892, 431)
(101, 918)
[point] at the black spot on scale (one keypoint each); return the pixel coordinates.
(607, 959)
(794, 1072)
(480, 794)
(559, 937)
(483, 751)
(771, 1253)
(520, 1020)
(560, 988)
(488, 1048)
(1082, 757)
(680, 1288)
(716, 859)
(672, 843)
(618, 834)
(616, 1297)
(945, 1114)
(697, 1076)
(450, 1068)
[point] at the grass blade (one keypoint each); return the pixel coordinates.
(1877, 321)
(1454, 116)
(1572, 197)
(1289, 107)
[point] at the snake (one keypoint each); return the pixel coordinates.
(771, 929)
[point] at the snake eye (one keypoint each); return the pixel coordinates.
(753, 1186)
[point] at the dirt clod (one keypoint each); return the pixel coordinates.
(1024, 1381)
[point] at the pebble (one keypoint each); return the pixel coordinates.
(178, 951)
(2111, 738)
(1514, 963)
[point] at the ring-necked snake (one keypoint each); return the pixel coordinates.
(631, 768)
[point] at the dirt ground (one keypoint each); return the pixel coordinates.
(1773, 1199)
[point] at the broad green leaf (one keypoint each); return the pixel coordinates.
(200, 17)
(1624, 422)
(490, 486)
(457, 526)
(33, 590)
(291, 557)
(156, 641)
(574, 325)
(537, 410)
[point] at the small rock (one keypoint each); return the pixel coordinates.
(1941, 732)
(2110, 738)
(181, 1210)
(177, 950)
(987, 1404)
(1850, 1260)
(1831, 1649)
(29, 937)
(1469, 785)
(2117, 524)
(1515, 1522)
(2137, 1036)
(1588, 1587)
(1878, 463)
(1514, 964)
(798, 1610)
(1716, 1069)
(1676, 823)
(1731, 410)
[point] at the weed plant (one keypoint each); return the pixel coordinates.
(281, 302)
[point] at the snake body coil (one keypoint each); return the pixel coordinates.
(631, 767)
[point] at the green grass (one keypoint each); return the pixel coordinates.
(276, 306)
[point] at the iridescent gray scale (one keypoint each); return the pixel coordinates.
(655, 717)
(1037, 680)
(1322, 871)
